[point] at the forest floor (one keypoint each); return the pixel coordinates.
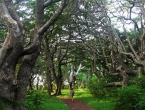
(76, 105)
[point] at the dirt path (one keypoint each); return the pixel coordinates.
(76, 105)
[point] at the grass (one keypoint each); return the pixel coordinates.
(54, 103)
(86, 97)
(38, 100)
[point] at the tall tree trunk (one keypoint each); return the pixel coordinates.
(31, 82)
(71, 76)
(23, 77)
(49, 66)
(29, 60)
(10, 53)
(49, 82)
(59, 81)
(13, 86)
(93, 66)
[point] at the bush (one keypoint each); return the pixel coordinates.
(98, 89)
(141, 82)
(34, 100)
(128, 97)
(140, 105)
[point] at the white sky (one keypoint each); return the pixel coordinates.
(115, 8)
(40, 80)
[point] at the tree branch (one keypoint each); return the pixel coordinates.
(13, 34)
(53, 19)
(49, 2)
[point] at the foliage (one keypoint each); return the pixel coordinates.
(34, 100)
(98, 89)
(140, 105)
(81, 80)
(141, 82)
(43, 101)
(129, 98)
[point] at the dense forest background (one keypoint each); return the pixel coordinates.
(97, 44)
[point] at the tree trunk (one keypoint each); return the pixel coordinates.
(93, 66)
(58, 87)
(71, 76)
(114, 84)
(124, 75)
(139, 72)
(10, 53)
(13, 86)
(58, 80)
(31, 79)
(23, 77)
(49, 81)
(29, 60)
(49, 66)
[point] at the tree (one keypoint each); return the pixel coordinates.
(13, 85)
(113, 52)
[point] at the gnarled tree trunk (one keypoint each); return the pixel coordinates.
(13, 86)
(124, 75)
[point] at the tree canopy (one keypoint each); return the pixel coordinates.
(69, 40)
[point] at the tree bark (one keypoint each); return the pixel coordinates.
(49, 66)
(13, 86)
(9, 55)
(124, 75)
(71, 76)
(114, 84)
(49, 81)
(58, 80)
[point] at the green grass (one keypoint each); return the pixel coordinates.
(86, 97)
(38, 100)
(54, 103)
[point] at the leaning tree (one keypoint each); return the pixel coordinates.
(13, 51)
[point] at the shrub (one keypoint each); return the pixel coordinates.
(140, 105)
(141, 82)
(34, 100)
(98, 89)
(128, 97)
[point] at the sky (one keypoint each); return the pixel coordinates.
(115, 9)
